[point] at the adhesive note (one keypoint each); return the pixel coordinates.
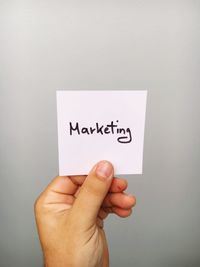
(101, 125)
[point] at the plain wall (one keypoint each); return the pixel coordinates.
(99, 45)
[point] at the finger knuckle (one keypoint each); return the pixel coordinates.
(38, 204)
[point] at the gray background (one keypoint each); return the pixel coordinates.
(154, 45)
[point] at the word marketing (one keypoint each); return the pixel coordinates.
(124, 134)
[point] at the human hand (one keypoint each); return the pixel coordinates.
(70, 214)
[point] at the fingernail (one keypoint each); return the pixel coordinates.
(104, 169)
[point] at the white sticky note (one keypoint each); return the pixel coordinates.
(100, 125)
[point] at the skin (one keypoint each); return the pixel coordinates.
(70, 214)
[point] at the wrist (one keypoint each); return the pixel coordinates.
(57, 260)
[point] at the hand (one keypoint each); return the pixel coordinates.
(70, 214)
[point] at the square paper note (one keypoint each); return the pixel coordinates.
(100, 125)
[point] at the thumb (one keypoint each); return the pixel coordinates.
(92, 193)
